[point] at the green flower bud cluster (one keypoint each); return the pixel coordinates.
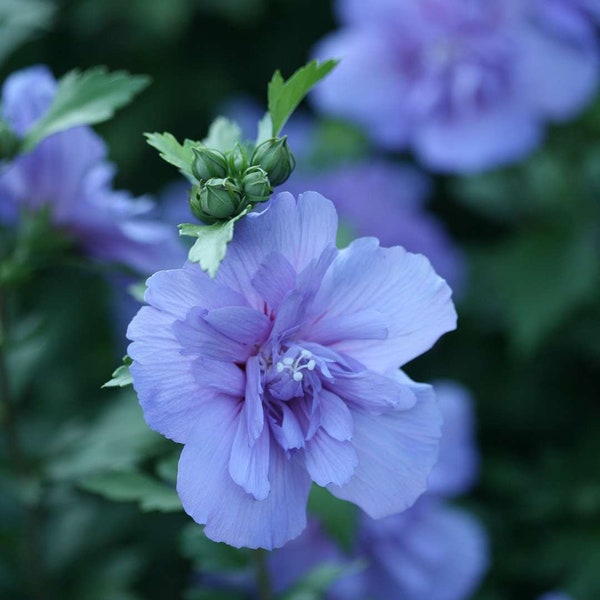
(230, 182)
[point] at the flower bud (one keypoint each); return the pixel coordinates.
(237, 160)
(275, 157)
(256, 185)
(216, 200)
(9, 142)
(208, 163)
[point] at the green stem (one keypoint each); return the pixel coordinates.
(6, 403)
(263, 581)
(32, 559)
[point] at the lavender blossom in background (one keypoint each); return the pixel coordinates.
(431, 551)
(468, 85)
(387, 200)
(68, 172)
(284, 370)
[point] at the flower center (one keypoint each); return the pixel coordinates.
(295, 367)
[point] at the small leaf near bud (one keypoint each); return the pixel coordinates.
(237, 160)
(256, 185)
(274, 157)
(208, 163)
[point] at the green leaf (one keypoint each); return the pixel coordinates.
(315, 584)
(222, 134)
(138, 290)
(181, 156)
(121, 376)
(265, 129)
(338, 516)
(284, 96)
(132, 486)
(84, 99)
(118, 439)
(21, 20)
(541, 279)
(211, 246)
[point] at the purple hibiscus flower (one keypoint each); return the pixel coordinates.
(466, 84)
(284, 370)
(68, 173)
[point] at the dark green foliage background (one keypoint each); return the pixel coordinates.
(528, 343)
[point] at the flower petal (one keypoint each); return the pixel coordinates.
(300, 231)
(178, 290)
(370, 391)
(274, 278)
(396, 452)
(172, 387)
(211, 497)
(431, 551)
(401, 286)
(328, 460)
(336, 418)
(249, 461)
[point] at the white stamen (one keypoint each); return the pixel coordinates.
(280, 367)
(305, 354)
(311, 365)
(297, 376)
(288, 362)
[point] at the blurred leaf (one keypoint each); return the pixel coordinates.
(138, 291)
(121, 376)
(337, 516)
(212, 556)
(222, 134)
(542, 277)
(85, 98)
(21, 20)
(123, 486)
(166, 468)
(211, 246)
(284, 96)
(315, 584)
(119, 439)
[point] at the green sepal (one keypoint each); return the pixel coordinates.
(284, 96)
(211, 246)
(121, 376)
(171, 151)
(85, 98)
(222, 135)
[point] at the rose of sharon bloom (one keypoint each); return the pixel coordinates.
(68, 173)
(283, 370)
(466, 84)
